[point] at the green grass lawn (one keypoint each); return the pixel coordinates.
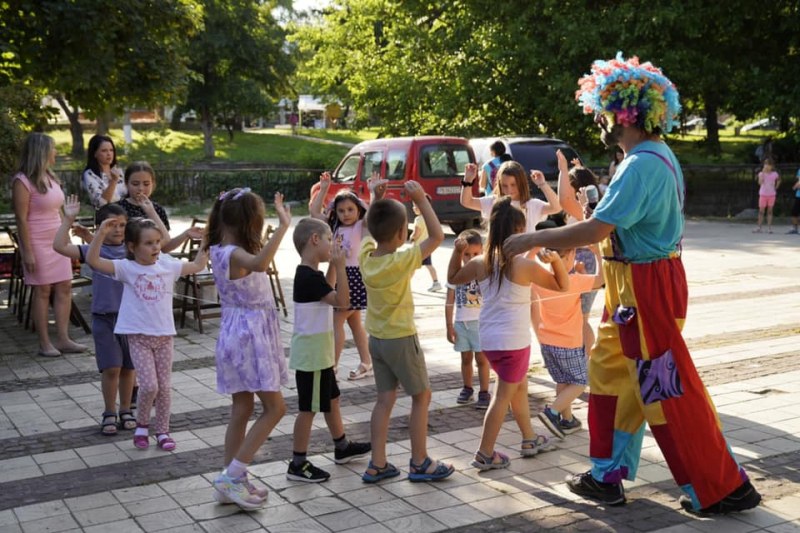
(346, 136)
(165, 147)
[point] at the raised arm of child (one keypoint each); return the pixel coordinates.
(467, 200)
(553, 205)
(527, 271)
(599, 277)
(315, 209)
(377, 190)
(339, 298)
(566, 194)
(449, 303)
(62, 243)
(435, 231)
(243, 260)
(200, 261)
(100, 264)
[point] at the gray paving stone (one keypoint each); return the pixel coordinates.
(101, 515)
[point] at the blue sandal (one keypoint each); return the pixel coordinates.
(485, 462)
(382, 473)
(420, 472)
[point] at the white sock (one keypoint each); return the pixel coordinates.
(141, 432)
(236, 469)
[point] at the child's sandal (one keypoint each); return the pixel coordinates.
(420, 472)
(141, 442)
(385, 472)
(485, 462)
(165, 442)
(126, 420)
(363, 371)
(108, 424)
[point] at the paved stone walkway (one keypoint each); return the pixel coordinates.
(57, 473)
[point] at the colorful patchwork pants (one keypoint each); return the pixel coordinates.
(152, 357)
(641, 370)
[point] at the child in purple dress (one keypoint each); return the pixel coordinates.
(250, 360)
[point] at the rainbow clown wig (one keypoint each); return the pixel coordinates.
(630, 94)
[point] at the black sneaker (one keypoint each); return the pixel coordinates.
(354, 450)
(306, 472)
(588, 487)
(744, 498)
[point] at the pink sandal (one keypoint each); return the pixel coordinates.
(167, 443)
(141, 442)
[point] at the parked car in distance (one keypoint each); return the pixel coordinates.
(437, 163)
(700, 122)
(770, 123)
(533, 152)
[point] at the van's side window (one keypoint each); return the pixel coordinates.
(443, 160)
(348, 169)
(372, 163)
(395, 164)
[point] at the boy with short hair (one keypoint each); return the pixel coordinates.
(559, 329)
(111, 351)
(312, 349)
(393, 343)
(463, 332)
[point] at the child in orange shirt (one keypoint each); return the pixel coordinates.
(559, 329)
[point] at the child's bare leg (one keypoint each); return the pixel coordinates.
(127, 378)
(521, 410)
(302, 431)
(109, 383)
(274, 409)
(359, 337)
(432, 272)
(495, 415)
(769, 218)
(760, 216)
(339, 318)
(567, 393)
(483, 370)
(379, 427)
(466, 369)
(333, 419)
(241, 409)
(418, 425)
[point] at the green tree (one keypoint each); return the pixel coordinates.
(100, 61)
(238, 62)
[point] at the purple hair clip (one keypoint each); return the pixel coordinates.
(224, 195)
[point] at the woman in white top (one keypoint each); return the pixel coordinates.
(102, 178)
(512, 182)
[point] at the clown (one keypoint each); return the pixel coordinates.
(640, 368)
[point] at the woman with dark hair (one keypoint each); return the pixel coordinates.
(102, 178)
(37, 198)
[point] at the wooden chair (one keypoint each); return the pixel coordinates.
(191, 299)
(274, 279)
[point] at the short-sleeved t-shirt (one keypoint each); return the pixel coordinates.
(560, 317)
(390, 313)
(468, 301)
(146, 306)
(769, 182)
(349, 238)
(491, 165)
(534, 211)
(312, 339)
(797, 191)
(419, 224)
(106, 291)
(644, 202)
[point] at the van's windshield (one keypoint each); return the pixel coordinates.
(443, 160)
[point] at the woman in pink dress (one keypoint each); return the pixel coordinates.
(37, 198)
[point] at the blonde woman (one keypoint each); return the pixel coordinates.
(37, 199)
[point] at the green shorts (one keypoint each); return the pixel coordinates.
(399, 361)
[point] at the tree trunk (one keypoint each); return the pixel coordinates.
(712, 128)
(207, 124)
(75, 127)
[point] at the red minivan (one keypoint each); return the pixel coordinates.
(437, 163)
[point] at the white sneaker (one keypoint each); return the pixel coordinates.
(260, 493)
(436, 287)
(236, 490)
